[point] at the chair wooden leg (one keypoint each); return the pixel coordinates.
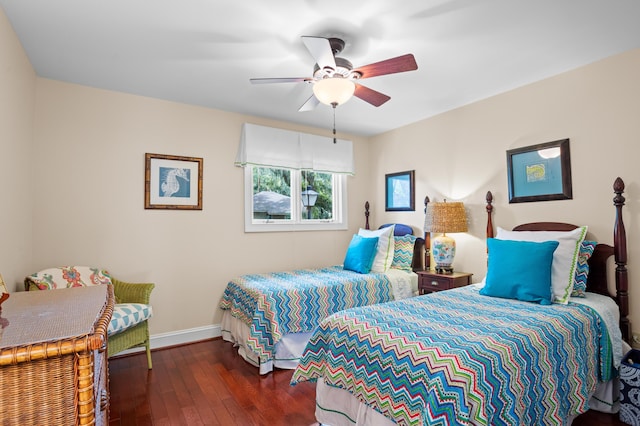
(148, 346)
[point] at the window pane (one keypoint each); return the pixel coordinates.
(271, 193)
(263, 185)
(317, 195)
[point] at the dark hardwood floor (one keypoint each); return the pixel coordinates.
(205, 383)
(208, 383)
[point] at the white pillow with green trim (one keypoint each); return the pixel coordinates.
(386, 246)
(565, 258)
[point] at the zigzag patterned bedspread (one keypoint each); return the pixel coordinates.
(460, 358)
(279, 303)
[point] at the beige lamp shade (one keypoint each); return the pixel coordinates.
(445, 217)
(442, 218)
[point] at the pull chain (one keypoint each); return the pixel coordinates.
(334, 105)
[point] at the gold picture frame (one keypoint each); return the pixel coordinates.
(172, 182)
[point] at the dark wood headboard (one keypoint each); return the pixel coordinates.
(597, 280)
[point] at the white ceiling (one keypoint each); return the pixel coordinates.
(203, 52)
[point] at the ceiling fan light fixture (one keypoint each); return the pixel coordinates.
(334, 90)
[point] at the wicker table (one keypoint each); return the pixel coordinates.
(53, 363)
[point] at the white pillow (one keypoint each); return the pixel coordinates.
(565, 258)
(386, 246)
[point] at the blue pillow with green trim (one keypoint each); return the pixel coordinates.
(360, 254)
(520, 270)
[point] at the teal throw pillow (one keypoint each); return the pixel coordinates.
(520, 270)
(360, 254)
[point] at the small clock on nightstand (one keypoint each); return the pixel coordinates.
(430, 281)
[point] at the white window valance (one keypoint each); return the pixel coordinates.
(271, 147)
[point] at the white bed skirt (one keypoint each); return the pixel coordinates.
(337, 407)
(287, 351)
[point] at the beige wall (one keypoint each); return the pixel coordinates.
(74, 173)
(461, 154)
(88, 165)
(17, 89)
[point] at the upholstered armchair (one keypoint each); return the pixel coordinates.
(129, 327)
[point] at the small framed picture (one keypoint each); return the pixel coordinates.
(172, 182)
(540, 172)
(399, 191)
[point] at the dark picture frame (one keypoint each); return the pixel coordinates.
(172, 182)
(540, 172)
(399, 190)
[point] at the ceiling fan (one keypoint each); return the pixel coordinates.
(335, 80)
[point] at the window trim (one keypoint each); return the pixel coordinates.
(296, 223)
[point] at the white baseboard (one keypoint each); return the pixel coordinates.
(179, 337)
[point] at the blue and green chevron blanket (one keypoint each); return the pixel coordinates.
(278, 303)
(459, 358)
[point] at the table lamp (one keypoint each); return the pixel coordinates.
(444, 218)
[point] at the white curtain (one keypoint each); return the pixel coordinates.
(271, 147)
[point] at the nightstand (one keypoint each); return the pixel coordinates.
(430, 281)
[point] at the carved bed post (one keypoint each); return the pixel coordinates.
(366, 215)
(489, 200)
(427, 241)
(620, 255)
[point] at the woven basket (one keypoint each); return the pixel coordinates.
(53, 368)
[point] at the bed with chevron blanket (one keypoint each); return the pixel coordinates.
(480, 355)
(271, 316)
(457, 357)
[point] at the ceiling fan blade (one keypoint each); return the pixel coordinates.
(310, 104)
(279, 80)
(374, 97)
(320, 49)
(390, 66)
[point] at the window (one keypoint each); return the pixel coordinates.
(278, 199)
(317, 195)
(293, 181)
(271, 193)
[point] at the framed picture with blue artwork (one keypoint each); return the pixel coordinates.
(399, 191)
(172, 182)
(540, 172)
